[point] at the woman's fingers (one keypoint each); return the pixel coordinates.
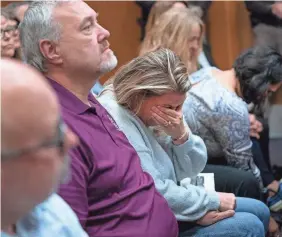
(254, 133)
(225, 214)
(168, 114)
(172, 113)
(159, 120)
(161, 114)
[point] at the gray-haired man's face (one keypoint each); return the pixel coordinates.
(84, 45)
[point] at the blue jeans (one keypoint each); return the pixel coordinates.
(250, 220)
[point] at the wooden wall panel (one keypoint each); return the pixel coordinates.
(120, 18)
(229, 31)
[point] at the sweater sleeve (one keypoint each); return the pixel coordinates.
(188, 203)
(189, 158)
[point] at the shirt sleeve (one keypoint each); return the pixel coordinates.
(74, 192)
(189, 158)
(188, 203)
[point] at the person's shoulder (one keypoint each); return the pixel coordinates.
(108, 100)
(3, 234)
(53, 217)
(204, 94)
(233, 105)
(56, 206)
(200, 75)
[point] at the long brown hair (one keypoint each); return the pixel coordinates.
(172, 30)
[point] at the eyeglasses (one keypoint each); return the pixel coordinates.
(58, 141)
(8, 29)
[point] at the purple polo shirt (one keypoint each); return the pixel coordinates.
(109, 192)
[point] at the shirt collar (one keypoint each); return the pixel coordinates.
(69, 101)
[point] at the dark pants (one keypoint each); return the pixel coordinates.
(262, 163)
(231, 180)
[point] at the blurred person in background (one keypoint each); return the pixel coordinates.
(34, 159)
(151, 10)
(9, 36)
(178, 29)
(12, 15)
(266, 20)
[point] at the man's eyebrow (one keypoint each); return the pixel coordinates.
(91, 18)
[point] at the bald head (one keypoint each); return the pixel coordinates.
(29, 106)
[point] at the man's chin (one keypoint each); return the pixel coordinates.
(108, 64)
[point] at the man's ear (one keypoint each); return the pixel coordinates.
(50, 51)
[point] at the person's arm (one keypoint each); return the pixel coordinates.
(260, 7)
(74, 192)
(189, 203)
(189, 158)
(231, 129)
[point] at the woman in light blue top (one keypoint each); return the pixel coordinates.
(145, 99)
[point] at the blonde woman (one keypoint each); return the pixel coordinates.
(180, 30)
(159, 8)
(147, 93)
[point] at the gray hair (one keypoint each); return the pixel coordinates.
(153, 74)
(38, 24)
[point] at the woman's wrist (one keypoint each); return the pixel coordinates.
(181, 139)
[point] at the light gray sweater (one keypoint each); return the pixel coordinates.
(166, 162)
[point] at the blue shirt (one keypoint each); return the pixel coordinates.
(49, 219)
(97, 88)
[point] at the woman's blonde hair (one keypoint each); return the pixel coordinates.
(152, 74)
(172, 30)
(156, 11)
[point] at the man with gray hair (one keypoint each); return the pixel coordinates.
(108, 190)
(33, 157)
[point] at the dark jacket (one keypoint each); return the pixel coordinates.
(260, 12)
